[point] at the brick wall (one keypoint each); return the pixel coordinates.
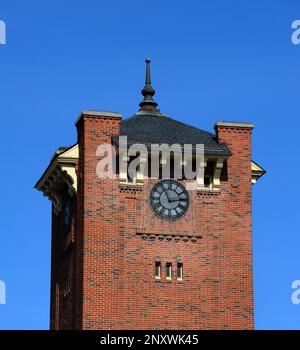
(235, 231)
(118, 239)
(100, 242)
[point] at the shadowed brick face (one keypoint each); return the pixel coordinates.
(118, 240)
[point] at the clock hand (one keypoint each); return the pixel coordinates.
(172, 198)
(168, 198)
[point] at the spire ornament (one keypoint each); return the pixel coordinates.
(148, 104)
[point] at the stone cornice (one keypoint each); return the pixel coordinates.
(60, 175)
(234, 124)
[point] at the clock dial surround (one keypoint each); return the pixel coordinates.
(169, 199)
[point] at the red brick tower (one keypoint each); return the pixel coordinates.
(121, 262)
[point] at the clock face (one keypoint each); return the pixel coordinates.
(169, 199)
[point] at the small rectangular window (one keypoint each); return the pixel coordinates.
(157, 269)
(179, 271)
(169, 271)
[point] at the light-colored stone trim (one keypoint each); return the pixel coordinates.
(256, 172)
(200, 175)
(61, 172)
(141, 171)
(51, 186)
(217, 174)
(235, 124)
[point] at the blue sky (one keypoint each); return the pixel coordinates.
(211, 60)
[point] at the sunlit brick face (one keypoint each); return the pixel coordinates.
(131, 268)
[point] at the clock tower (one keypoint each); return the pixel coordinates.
(143, 251)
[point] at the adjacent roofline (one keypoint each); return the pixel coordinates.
(259, 169)
(58, 158)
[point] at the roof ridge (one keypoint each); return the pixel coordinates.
(172, 119)
(191, 126)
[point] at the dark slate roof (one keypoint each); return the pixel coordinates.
(148, 127)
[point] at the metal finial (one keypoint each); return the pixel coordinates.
(148, 103)
(148, 74)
